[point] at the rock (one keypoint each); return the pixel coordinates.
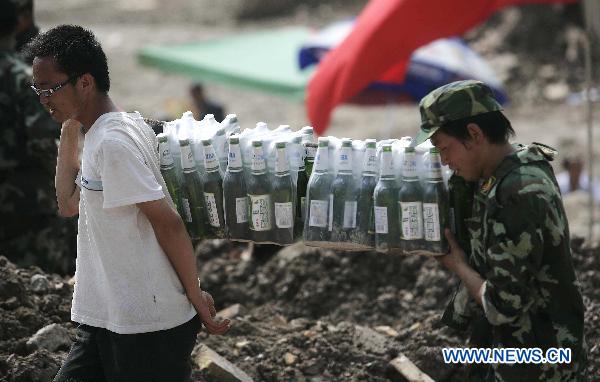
(409, 370)
(232, 311)
(314, 367)
(40, 283)
(369, 339)
(386, 330)
(242, 344)
(51, 337)
(289, 358)
(217, 368)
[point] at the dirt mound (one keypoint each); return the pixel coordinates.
(308, 314)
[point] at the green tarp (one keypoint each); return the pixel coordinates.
(262, 61)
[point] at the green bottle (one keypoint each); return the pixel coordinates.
(301, 184)
(310, 150)
(364, 214)
(318, 223)
(460, 194)
(410, 198)
(386, 203)
(435, 206)
(345, 196)
(260, 204)
(283, 197)
(169, 174)
(235, 194)
(213, 190)
(194, 191)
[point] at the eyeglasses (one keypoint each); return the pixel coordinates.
(52, 90)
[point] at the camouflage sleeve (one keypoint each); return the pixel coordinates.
(42, 132)
(515, 249)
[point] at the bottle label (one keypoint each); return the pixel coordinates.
(211, 162)
(322, 160)
(381, 220)
(282, 165)
(283, 215)
(345, 160)
(187, 159)
(330, 212)
(411, 215)
(435, 167)
(431, 221)
(303, 207)
(350, 214)
(409, 170)
(164, 150)
(258, 160)
(310, 152)
(211, 209)
(186, 210)
(234, 159)
(318, 213)
(387, 164)
(260, 212)
(241, 210)
(370, 162)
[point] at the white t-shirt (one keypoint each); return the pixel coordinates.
(125, 282)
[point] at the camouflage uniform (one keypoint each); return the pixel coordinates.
(520, 245)
(30, 230)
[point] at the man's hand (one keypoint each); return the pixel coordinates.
(207, 313)
(455, 256)
(456, 261)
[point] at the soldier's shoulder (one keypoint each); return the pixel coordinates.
(526, 180)
(15, 72)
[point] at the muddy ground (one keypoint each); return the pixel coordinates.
(308, 314)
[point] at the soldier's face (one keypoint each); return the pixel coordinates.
(62, 102)
(461, 157)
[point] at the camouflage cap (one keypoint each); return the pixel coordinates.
(451, 102)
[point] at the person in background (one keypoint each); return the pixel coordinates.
(203, 106)
(31, 233)
(574, 178)
(137, 298)
(518, 284)
(26, 28)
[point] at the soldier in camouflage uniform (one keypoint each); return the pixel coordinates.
(518, 286)
(30, 230)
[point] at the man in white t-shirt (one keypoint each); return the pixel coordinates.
(137, 297)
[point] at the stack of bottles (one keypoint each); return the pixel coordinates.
(384, 195)
(281, 186)
(244, 186)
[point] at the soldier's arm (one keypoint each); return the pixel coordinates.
(514, 256)
(456, 261)
(67, 167)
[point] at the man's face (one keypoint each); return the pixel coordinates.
(460, 157)
(63, 103)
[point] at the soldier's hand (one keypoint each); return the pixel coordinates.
(207, 313)
(455, 256)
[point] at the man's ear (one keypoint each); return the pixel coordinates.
(475, 132)
(86, 83)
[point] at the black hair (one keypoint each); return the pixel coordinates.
(8, 17)
(494, 125)
(76, 52)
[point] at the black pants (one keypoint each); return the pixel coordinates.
(100, 355)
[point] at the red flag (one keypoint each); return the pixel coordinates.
(384, 36)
